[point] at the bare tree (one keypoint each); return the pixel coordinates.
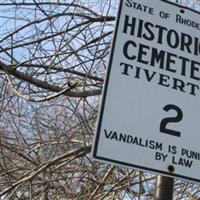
(53, 57)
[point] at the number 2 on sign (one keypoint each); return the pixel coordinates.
(166, 121)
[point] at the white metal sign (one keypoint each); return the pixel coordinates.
(150, 113)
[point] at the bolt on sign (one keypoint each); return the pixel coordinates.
(150, 113)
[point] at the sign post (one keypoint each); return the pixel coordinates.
(164, 188)
(149, 117)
